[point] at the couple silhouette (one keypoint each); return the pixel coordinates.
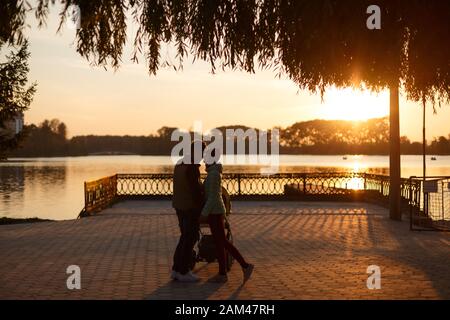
(197, 203)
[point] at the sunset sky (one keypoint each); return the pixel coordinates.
(91, 100)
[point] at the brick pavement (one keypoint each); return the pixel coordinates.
(302, 250)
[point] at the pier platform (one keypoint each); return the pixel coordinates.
(301, 250)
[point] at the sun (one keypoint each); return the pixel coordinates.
(351, 104)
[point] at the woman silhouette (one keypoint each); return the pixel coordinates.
(214, 210)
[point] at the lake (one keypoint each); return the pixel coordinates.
(52, 188)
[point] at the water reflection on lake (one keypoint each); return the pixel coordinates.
(52, 188)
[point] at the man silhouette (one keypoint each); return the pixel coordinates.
(188, 202)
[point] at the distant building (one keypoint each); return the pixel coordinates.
(19, 121)
(14, 126)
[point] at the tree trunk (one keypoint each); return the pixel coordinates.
(394, 155)
(424, 146)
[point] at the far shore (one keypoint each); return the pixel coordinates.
(6, 220)
(116, 154)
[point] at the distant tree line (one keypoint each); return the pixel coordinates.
(49, 139)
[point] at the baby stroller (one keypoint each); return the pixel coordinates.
(205, 249)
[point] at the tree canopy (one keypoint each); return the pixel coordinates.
(316, 43)
(15, 94)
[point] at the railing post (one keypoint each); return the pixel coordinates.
(419, 194)
(86, 197)
(115, 186)
(239, 184)
(410, 204)
(304, 184)
(443, 207)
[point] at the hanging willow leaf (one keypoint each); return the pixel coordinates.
(315, 43)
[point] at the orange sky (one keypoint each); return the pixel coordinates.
(94, 101)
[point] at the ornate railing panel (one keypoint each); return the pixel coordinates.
(99, 194)
(248, 184)
(320, 186)
(144, 184)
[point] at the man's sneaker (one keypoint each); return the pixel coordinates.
(173, 275)
(248, 272)
(188, 277)
(194, 275)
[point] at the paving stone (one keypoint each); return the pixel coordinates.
(301, 250)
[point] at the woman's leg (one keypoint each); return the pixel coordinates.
(218, 234)
(219, 227)
(235, 253)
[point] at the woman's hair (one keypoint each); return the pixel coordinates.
(195, 143)
(213, 156)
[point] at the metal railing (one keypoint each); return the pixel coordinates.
(248, 184)
(431, 209)
(99, 194)
(338, 186)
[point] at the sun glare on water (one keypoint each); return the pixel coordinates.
(355, 184)
(356, 165)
